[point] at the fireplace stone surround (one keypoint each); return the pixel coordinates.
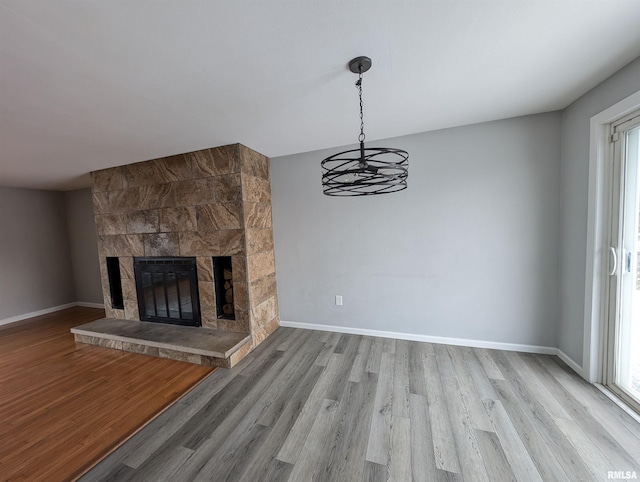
(204, 204)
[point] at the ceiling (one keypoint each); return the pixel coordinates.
(92, 84)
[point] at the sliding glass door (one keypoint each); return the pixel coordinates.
(622, 360)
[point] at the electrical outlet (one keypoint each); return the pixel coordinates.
(338, 300)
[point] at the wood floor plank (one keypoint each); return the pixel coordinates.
(360, 363)
(401, 380)
(283, 416)
(423, 461)
(309, 460)
(515, 451)
(591, 455)
(375, 355)
(472, 399)
(374, 472)
(64, 406)
(298, 434)
(494, 458)
(444, 445)
(520, 393)
(378, 447)
(469, 455)
(264, 460)
(400, 460)
(616, 453)
(348, 436)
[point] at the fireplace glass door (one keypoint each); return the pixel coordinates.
(167, 290)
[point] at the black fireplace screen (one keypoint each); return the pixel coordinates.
(167, 290)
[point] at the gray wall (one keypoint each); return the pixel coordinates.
(469, 250)
(84, 246)
(574, 197)
(35, 267)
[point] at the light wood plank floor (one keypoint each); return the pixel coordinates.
(63, 405)
(309, 405)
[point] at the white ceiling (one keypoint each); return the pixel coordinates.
(89, 84)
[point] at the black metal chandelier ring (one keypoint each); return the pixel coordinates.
(368, 170)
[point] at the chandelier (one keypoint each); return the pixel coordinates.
(367, 170)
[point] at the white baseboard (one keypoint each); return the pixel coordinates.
(572, 364)
(46, 311)
(87, 304)
(494, 345)
(33, 314)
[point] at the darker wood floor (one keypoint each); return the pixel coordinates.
(308, 405)
(64, 406)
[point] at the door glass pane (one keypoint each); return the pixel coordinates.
(185, 296)
(149, 301)
(627, 351)
(161, 302)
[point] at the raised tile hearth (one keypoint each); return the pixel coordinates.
(203, 346)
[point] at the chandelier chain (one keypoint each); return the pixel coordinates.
(359, 86)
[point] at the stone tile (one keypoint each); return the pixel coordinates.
(107, 179)
(115, 344)
(108, 311)
(142, 349)
(239, 266)
(175, 168)
(240, 296)
(255, 189)
(157, 196)
(129, 290)
(231, 242)
(261, 334)
(83, 339)
(263, 313)
(162, 244)
(110, 224)
(121, 245)
(200, 244)
(207, 304)
(253, 163)
(216, 161)
(100, 202)
(262, 289)
(158, 171)
(215, 362)
(131, 311)
(140, 174)
(239, 325)
(213, 217)
(141, 222)
(237, 356)
(257, 215)
(260, 265)
(228, 187)
(178, 219)
(126, 267)
(259, 240)
(197, 191)
(204, 268)
(124, 200)
(180, 356)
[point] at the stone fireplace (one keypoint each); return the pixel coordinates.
(210, 212)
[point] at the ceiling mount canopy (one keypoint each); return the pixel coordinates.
(364, 171)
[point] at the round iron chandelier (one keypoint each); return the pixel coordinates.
(368, 170)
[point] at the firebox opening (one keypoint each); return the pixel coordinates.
(167, 290)
(223, 277)
(115, 283)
